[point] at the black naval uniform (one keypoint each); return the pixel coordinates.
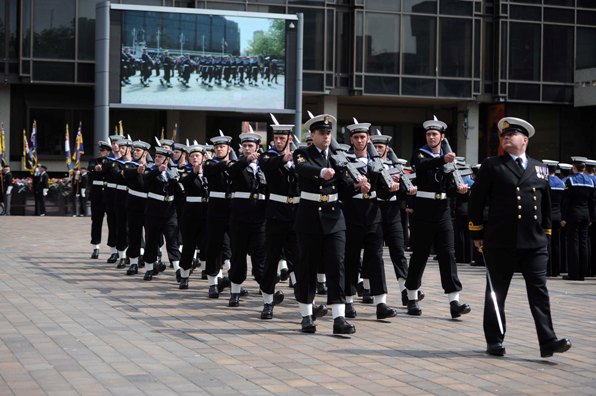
(135, 208)
(247, 220)
(555, 254)
(194, 215)
(284, 196)
(109, 193)
(120, 196)
(432, 221)
(96, 196)
(514, 237)
(40, 187)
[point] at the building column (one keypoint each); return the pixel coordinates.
(467, 131)
(330, 107)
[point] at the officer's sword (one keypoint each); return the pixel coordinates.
(493, 296)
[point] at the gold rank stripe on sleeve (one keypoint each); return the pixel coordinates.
(474, 227)
(548, 231)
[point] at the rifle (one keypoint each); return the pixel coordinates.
(405, 178)
(345, 161)
(452, 166)
(376, 165)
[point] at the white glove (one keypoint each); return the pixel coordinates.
(83, 192)
(8, 190)
(45, 192)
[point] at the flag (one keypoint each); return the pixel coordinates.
(33, 150)
(79, 148)
(162, 133)
(67, 150)
(2, 146)
(120, 128)
(27, 164)
(174, 133)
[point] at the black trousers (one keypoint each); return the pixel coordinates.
(136, 220)
(554, 253)
(120, 212)
(247, 238)
(405, 224)
(501, 264)
(218, 227)
(108, 199)
(280, 238)
(191, 227)
(98, 211)
(329, 250)
(393, 235)
(40, 203)
(155, 226)
(463, 243)
(439, 233)
(592, 235)
(371, 240)
(577, 249)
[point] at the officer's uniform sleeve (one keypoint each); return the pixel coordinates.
(478, 198)
(546, 210)
(304, 167)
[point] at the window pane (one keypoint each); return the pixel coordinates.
(383, 5)
(586, 3)
(586, 18)
(50, 130)
(524, 52)
(525, 13)
(524, 91)
(313, 82)
(419, 45)
(455, 47)
(558, 53)
(456, 7)
(53, 24)
(13, 42)
(557, 93)
(86, 45)
(314, 37)
(382, 43)
(423, 6)
(418, 87)
(2, 28)
(568, 3)
(381, 85)
(26, 11)
(86, 72)
(586, 48)
(559, 15)
(53, 71)
(455, 88)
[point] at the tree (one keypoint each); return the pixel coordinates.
(270, 43)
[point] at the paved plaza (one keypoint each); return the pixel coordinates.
(72, 325)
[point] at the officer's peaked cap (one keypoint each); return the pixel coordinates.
(322, 121)
(513, 124)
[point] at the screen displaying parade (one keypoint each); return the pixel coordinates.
(202, 61)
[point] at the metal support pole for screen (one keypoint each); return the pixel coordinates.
(102, 56)
(299, 54)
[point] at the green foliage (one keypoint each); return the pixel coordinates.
(270, 43)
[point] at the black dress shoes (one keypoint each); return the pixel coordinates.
(404, 297)
(222, 283)
(284, 274)
(148, 275)
(213, 292)
(384, 311)
(159, 267)
(555, 346)
(113, 258)
(267, 312)
(414, 308)
(121, 263)
(183, 284)
(95, 254)
(322, 288)
(141, 262)
(366, 297)
(350, 311)
(341, 326)
(307, 325)
(278, 297)
(178, 277)
(234, 300)
(458, 309)
(496, 349)
(318, 311)
(244, 292)
(133, 269)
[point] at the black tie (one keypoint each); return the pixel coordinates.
(520, 162)
(324, 154)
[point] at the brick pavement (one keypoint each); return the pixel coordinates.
(71, 325)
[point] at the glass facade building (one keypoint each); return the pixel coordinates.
(393, 63)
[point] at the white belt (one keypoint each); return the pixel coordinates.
(247, 195)
(217, 194)
(325, 198)
(197, 199)
(431, 195)
(111, 185)
(137, 193)
(365, 196)
(284, 199)
(393, 198)
(164, 198)
(98, 183)
(120, 187)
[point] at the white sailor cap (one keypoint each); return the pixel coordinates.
(590, 162)
(578, 159)
(250, 137)
(565, 166)
(513, 124)
(195, 148)
(282, 129)
(358, 128)
(435, 125)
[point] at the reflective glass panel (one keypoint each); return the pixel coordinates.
(455, 47)
(419, 45)
(558, 54)
(524, 52)
(383, 5)
(585, 52)
(53, 29)
(422, 6)
(418, 87)
(382, 43)
(86, 43)
(381, 85)
(314, 37)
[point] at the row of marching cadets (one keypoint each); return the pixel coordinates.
(323, 208)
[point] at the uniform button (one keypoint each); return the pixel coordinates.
(333, 209)
(333, 187)
(535, 217)
(519, 217)
(534, 189)
(535, 207)
(320, 187)
(519, 207)
(517, 188)
(534, 197)
(320, 208)
(519, 198)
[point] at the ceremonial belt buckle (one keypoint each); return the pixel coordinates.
(290, 200)
(324, 198)
(254, 196)
(438, 196)
(228, 195)
(205, 199)
(165, 198)
(366, 196)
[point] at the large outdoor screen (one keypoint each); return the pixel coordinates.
(170, 58)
